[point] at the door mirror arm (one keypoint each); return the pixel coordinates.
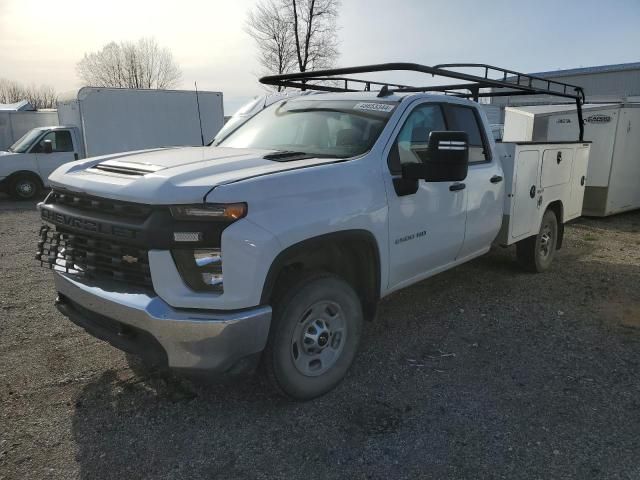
(405, 186)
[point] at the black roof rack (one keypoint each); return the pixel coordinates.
(501, 81)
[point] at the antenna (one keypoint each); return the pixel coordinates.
(199, 116)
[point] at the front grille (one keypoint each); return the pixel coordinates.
(91, 257)
(88, 203)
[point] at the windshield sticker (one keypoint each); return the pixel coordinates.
(374, 107)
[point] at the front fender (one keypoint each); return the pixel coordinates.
(18, 162)
(247, 252)
(314, 201)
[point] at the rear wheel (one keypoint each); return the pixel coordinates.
(24, 187)
(314, 336)
(536, 253)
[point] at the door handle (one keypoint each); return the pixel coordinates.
(496, 179)
(457, 186)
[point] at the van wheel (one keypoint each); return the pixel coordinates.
(536, 253)
(24, 187)
(314, 337)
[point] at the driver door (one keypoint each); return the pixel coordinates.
(426, 228)
(63, 151)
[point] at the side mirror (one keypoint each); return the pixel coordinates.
(47, 146)
(445, 158)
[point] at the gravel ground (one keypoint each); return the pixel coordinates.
(480, 372)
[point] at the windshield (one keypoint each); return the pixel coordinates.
(25, 143)
(240, 117)
(332, 128)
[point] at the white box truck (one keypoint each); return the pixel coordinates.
(275, 244)
(103, 121)
(613, 178)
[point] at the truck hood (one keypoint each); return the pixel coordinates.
(169, 175)
(4, 152)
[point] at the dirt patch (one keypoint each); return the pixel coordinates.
(625, 315)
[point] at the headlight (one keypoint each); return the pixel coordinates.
(211, 211)
(200, 268)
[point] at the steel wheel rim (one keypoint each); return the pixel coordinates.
(25, 188)
(318, 338)
(546, 241)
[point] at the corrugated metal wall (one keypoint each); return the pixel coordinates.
(620, 84)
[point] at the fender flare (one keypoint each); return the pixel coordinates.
(343, 237)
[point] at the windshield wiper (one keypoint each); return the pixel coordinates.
(286, 154)
(290, 155)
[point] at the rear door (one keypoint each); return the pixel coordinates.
(624, 192)
(426, 226)
(484, 182)
(63, 152)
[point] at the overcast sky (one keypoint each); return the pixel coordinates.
(41, 40)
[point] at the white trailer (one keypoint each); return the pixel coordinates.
(103, 121)
(613, 177)
(15, 123)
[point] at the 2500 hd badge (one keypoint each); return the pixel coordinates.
(406, 238)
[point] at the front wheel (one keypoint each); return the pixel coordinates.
(24, 187)
(536, 253)
(314, 337)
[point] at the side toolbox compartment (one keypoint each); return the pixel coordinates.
(521, 167)
(556, 166)
(537, 175)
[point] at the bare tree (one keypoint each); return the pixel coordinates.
(43, 96)
(294, 34)
(10, 91)
(270, 27)
(143, 64)
(314, 30)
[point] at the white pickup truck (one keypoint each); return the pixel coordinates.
(274, 245)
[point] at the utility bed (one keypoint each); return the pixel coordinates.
(538, 174)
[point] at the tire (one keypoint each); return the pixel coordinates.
(24, 187)
(314, 337)
(536, 253)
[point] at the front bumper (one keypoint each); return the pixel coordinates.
(136, 321)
